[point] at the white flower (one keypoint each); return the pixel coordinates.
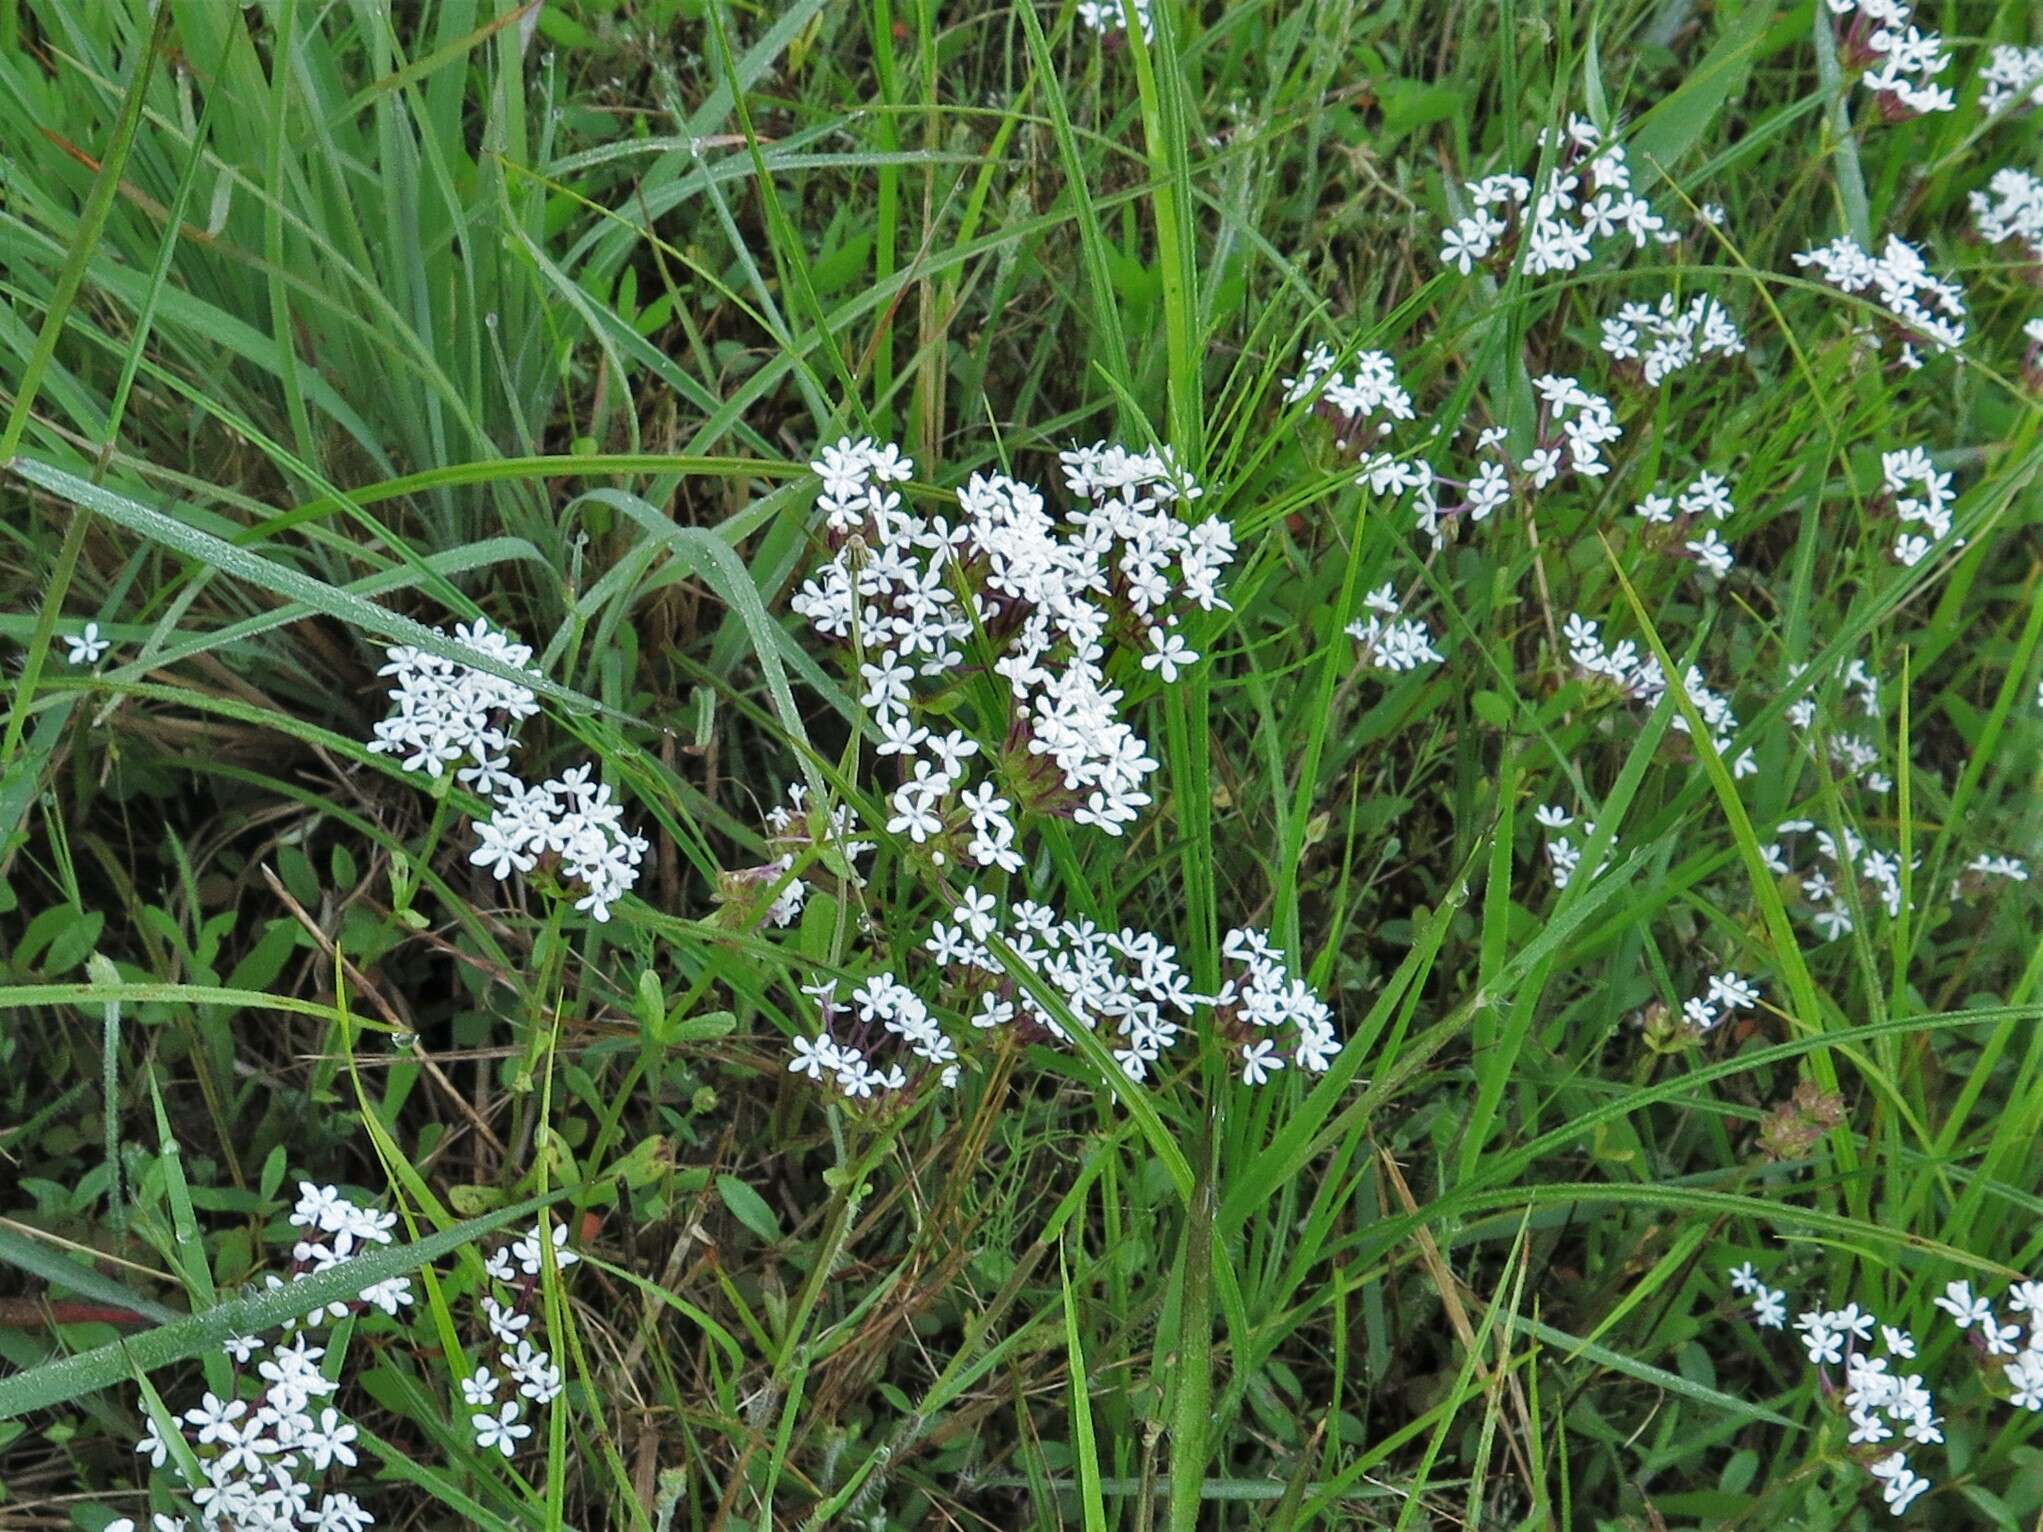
(1170, 653)
(87, 647)
(1259, 1062)
(502, 1430)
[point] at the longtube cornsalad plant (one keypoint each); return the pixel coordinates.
(262, 1455)
(454, 721)
(992, 644)
(1875, 1376)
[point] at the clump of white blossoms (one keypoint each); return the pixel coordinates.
(1857, 758)
(1660, 340)
(449, 716)
(86, 647)
(1107, 17)
(1573, 427)
(1350, 398)
(1704, 500)
(908, 595)
(1045, 606)
(263, 1447)
(1559, 223)
(1874, 874)
(2011, 75)
(1726, 995)
(1126, 985)
(1921, 497)
(2010, 211)
(517, 1374)
(1987, 870)
(1563, 855)
(1892, 1412)
(1389, 639)
(1926, 309)
(1639, 678)
(803, 837)
(1900, 59)
(570, 823)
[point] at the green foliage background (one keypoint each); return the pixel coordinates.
(324, 321)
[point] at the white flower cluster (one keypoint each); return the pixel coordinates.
(2011, 74)
(263, 1446)
(2011, 209)
(522, 1372)
(1563, 856)
(1877, 872)
(1575, 426)
(1390, 640)
(1987, 869)
(1928, 309)
(1728, 993)
(1640, 678)
(1352, 397)
(1922, 498)
(1859, 680)
(1882, 1402)
(912, 592)
(1856, 757)
(87, 647)
(1126, 983)
(1269, 1005)
(1107, 17)
(451, 715)
(1902, 61)
(572, 820)
(1560, 227)
(792, 828)
(909, 595)
(1667, 338)
(448, 712)
(1706, 495)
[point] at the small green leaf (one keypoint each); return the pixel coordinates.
(748, 1207)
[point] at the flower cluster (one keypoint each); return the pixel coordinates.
(1563, 856)
(2011, 75)
(1921, 497)
(910, 593)
(262, 1447)
(1886, 1405)
(1900, 59)
(1986, 870)
(1045, 607)
(1927, 309)
(1389, 639)
(1265, 1003)
(518, 1370)
(1556, 224)
(1350, 398)
(1640, 679)
(1662, 339)
(570, 822)
(1672, 516)
(449, 715)
(1107, 17)
(1727, 994)
(1574, 426)
(802, 837)
(1876, 873)
(2010, 210)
